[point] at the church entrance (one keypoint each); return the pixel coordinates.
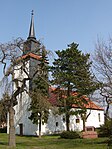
(21, 129)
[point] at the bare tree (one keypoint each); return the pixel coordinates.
(102, 63)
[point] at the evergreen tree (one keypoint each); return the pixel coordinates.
(71, 73)
(4, 107)
(39, 106)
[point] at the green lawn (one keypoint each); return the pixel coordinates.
(53, 142)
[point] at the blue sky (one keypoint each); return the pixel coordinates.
(57, 22)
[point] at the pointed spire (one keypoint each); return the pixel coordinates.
(32, 31)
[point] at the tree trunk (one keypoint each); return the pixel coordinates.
(84, 124)
(66, 111)
(40, 122)
(107, 111)
(84, 118)
(67, 122)
(12, 142)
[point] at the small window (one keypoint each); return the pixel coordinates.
(99, 118)
(77, 120)
(56, 124)
(63, 119)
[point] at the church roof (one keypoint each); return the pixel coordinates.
(90, 105)
(31, 55)
(53, 98)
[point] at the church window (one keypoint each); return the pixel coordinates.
(99, 117)
(63, 119)
(77, 120)
(56, 124)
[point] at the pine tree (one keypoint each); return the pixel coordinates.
(71, 73)
(39, 106)
(4, 107)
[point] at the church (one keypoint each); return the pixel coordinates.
(56, 123)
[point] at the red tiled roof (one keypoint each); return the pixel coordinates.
(32, 55)
(90, 104)
(52, 97)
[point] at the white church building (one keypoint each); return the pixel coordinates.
(56, 123)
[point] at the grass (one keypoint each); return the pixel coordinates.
(53, 142)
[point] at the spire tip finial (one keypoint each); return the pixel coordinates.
(32, 12)
(32, 32)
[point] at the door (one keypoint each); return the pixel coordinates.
(21, 129)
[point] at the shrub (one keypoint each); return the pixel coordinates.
(110, 142)
(106, 129)
(69, 135)
(3, 130)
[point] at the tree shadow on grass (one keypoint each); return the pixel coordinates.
(55, 142)
(102, 142)
(96, 141)
(3, 143)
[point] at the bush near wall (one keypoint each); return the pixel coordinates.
(106, 129)
(69, 135)
(3, 130)
(110, 142)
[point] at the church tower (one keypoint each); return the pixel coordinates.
(31, 66)
(32, 50)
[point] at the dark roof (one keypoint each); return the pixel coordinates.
(32, 30)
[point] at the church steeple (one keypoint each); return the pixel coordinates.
(32, 30)
(31, 45)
